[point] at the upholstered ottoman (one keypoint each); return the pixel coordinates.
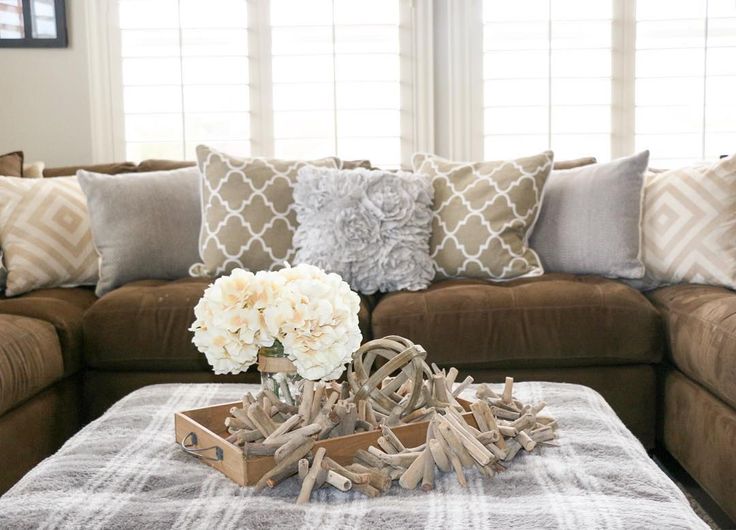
(124, 470)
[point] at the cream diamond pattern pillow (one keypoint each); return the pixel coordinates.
(483, 213)
(248, 215)
(45, 234)
(689, 225)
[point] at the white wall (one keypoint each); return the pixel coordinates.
(44, 98)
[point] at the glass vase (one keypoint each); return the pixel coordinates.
(278, 374)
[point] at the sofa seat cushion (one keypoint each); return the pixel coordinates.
(554, 320)
(30, 359)
(144, 325)
(61, 307)
(700, 324)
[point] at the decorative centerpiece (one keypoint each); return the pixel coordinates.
(397, 419)
(297, 323)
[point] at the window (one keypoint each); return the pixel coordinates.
(326, 78)
(336, 79)
(185, 77)
(547, 77)
(685, 79)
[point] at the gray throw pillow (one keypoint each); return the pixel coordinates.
(144, 225)
(371, 227)
(590, 221)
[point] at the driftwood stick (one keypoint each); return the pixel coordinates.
(305, 407)
(308, 430)
(462, 386)
(285, 473)
(376, 477)
(259, 449)
(311, 478)
(387, 446)
(295, 456)
(303, 468)
(411, 477)
(526, 441)
(284, 428)
(370, 416)
(364, 457)
(508, 389)
(366, 489)
(428, 470)
(289, 447)
(479, 418)
(391, 437)
(338, 481)
(444, 430)
(260, 419)
(507, 431)
(244, 436)
(438, 456)
(347, 426)
(489, 437)
(400, 459)
(355, 478)
(485, 392)
(452, 374)
(242, 415)
(452, 457)
(319, 390)
(479, 453)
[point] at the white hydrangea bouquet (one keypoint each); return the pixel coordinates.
(297, 313)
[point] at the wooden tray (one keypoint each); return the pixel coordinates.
(201, 432)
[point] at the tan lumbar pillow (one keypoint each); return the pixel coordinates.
(483, 214)
(248, 215)
(689, 225)
(45, 234)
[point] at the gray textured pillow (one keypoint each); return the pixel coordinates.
(590, 221)
(372, 227)
(144, 225)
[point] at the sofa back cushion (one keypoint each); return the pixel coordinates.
(483, 213)
(45, 234)
(113, 168)
(248, 214)
(144, 225)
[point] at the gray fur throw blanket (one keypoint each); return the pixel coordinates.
(125, 470)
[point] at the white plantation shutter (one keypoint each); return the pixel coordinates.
(685, 79)
(547, 77)
(336, 75)
(185, 77)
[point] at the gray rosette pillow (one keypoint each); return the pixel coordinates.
(371, 227)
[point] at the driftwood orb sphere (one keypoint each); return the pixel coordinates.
(404, 361)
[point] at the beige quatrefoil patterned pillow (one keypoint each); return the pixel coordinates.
(483, 214)
(248, 215)
(689, 225)
(45, 234)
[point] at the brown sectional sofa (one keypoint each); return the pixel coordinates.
(65, 356)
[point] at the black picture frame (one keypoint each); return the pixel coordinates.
(29, 41)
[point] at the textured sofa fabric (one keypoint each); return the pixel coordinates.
(554, 320)
(39, 426)
(144, 326)
(699, 430)
(30, 359)
(700, 324)
(64, 309)
(108, 169)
